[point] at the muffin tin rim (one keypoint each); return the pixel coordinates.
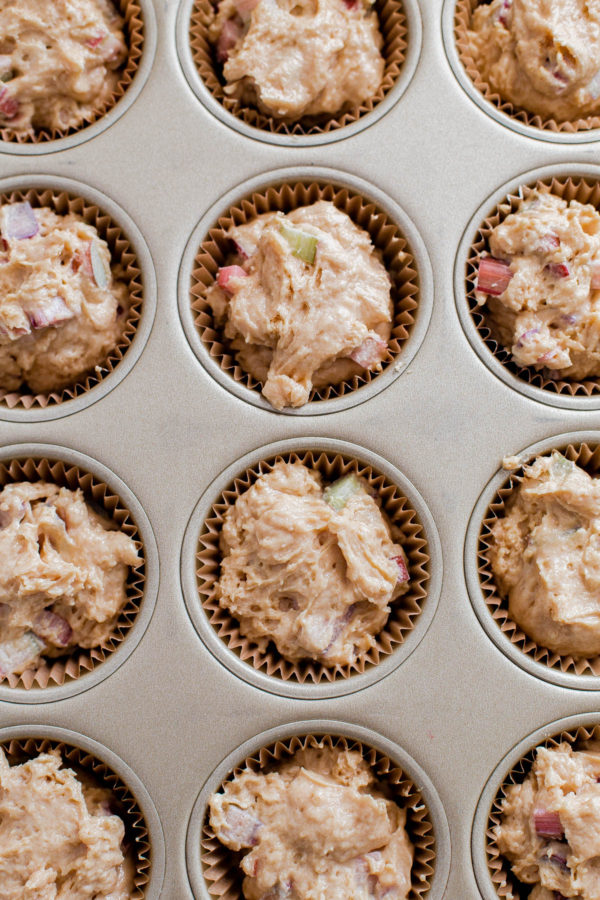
(338, 728)
(125, 773)
(476, 595)
(151, 561)
(215, 108)
(497, 777)
(144, 259)
(245, 671)
(109, 118)
(340, 179)
(541, 134)
(556, 170)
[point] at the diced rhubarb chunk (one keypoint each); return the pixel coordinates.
(17, 654)
(370, 353)
(595, 282)
(101, 273)
(338, 493)
(558, 270)
(494, 276)
(19, 221)
(302, 244)
(242, 827)
(547, 824)
(226, 274)
(548, 243)
(504, 11)
(97, 39)
(403, 575)
(9, 105)
(52, 628)
(230, 35)
(53, 312)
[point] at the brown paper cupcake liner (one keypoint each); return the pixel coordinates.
(131, 12)
(59, 670)
(462, 21)
(221, 871)
(385, 235)
(394, 30)
(583, 190)
(125, 267)
(405, 610)
(137, 837)
(508, 885)
(588, 458)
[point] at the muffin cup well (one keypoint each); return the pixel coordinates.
(212, 868)
(134, 30)
(125, 267)
(392, 234)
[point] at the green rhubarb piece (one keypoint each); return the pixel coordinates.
(338, 493)
(303, 245)
(98, 266)
(561, 467)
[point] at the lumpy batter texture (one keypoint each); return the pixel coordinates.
(58, 837)
(541, 55)
(541, 285)
(545, 556)
(317, 828)
(312, 570)
(295, 58)
(308, 303)
(58, 62)
(63, 573)
(550, 828)
(61, 310)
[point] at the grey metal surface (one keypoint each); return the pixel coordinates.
(172, 711)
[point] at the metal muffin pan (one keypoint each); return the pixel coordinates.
(168, 429)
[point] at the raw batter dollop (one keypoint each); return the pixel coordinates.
(294, 58)
(316, 828)
(58, 837)
(550, 828)
(313, 571)
(541, 55)
(61, 311)
(541, 284)
(307, 304)
(63, 573)
(545, 556)
(58, 62)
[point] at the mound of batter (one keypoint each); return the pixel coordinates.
(294, 58)
(61, 312)
(308, 303)
(550, 825)
(63, 573)
(58, 62)
(545, 556)
(318, 827)
(58, 837)
(541, 285)
(541, 55)
(313, 571)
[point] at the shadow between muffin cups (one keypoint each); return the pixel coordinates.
(393, 235)
(209, 864)
(411, 613)
(143, 831)
(81, 669)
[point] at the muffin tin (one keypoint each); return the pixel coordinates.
(164, 430)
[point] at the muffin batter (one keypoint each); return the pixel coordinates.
(550, 825)
(313, 571)
(541, 284)
(294, 58)
(61, 312)
(58, 62)
(316, 828)
(307, 302)
(58, 837)
(541, 55)
(63, 573)
(545, 556)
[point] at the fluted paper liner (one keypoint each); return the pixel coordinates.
(584, 190)
(386, 236)
(507, 885)
(125, 267)
(133, 30)
(587, 457)
(462, 21)
(221, 871)
(57, 671)
(405, 610)
(137, 838)
(394, 30)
